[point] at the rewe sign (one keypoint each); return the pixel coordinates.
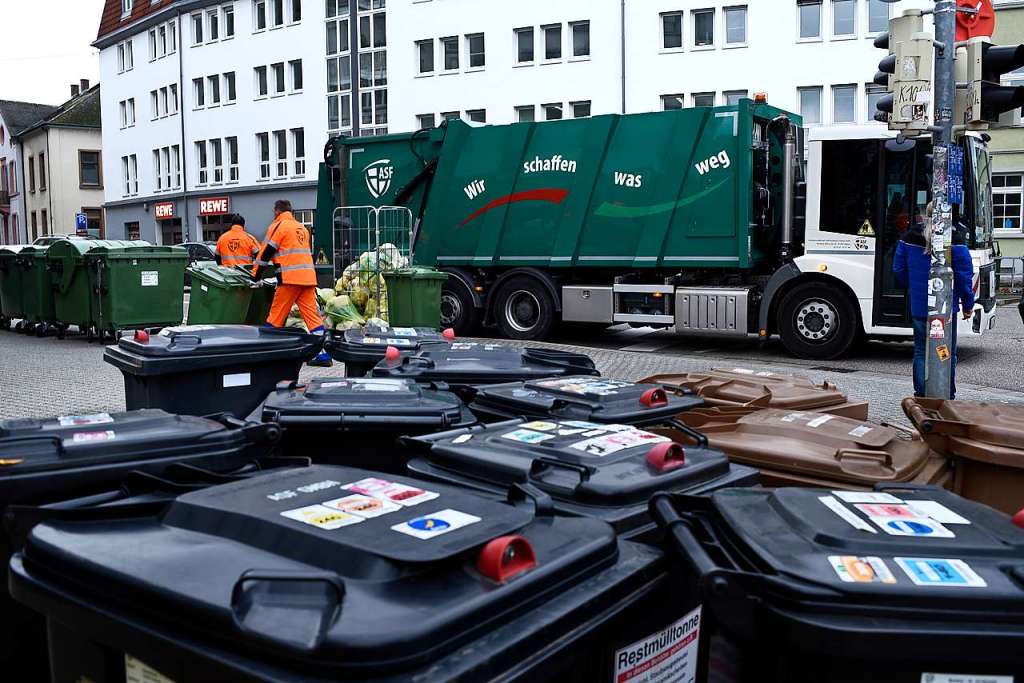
(214, 206)
(164, 210)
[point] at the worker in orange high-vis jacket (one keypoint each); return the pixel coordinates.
(236, 247)
(288, 245)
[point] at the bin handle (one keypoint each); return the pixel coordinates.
(539, 463)
(883, 456)
(681, 535)
(175, 338)
(327, 612)
(418, 360)
(699, 437)
(57, 442)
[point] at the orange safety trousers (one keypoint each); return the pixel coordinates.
(289, 295)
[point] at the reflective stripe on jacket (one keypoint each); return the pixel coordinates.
(290, 242)
(236, 247)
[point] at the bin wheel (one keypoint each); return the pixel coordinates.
(42, 329)
(90, 334)
(524, 309)
(62, 331)
(18, 325)
(5, 323)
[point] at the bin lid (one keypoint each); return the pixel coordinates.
(585, 398)
(9, 250)
(76, 248)
(328, 569)
(600, 465)
(34, 251)
(882, 563)
(223, 277)
(988, 432)
(830, 447)
(371, 343)
(416, 273)
(363, 403)
(740, 386)
(139, 248)
(484, 363)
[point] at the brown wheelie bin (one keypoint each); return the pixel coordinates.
(985, 442)
(802, 448)
(742, 387)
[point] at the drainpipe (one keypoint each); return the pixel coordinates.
(186, 220)
(49, 188)
(622, 33)
(24, 188)
(789, 190)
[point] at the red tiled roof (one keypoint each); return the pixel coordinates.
(111, 19)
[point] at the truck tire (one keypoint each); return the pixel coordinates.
(523, 309)
(817, 321)
(457, 308)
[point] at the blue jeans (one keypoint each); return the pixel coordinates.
(920, 358)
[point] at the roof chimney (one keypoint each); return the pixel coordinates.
(84, 84)
(74, 90)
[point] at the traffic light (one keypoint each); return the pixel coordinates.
(906, 73)
(980, 65)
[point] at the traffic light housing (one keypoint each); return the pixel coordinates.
(980, 66)
(906, 73)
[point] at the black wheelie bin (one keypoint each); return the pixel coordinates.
(606, 471)
(903, 584)
(333, 574)
(48, 460)
(593, 399)
(203, 369)
(356, 421)
(361, 350)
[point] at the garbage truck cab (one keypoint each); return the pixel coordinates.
(709, 221)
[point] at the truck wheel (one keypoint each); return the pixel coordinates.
(523, 309)
(457, 308)
(817, 321)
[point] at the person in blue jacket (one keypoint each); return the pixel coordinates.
(910, 266)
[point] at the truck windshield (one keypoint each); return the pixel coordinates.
(981, 182)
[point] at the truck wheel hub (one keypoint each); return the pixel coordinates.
(522, 310)
(816, 320)
(451, 309)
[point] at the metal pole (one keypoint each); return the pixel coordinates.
(939, 350)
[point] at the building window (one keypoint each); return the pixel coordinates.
(44, 222)
(450, 53)
(703, 99)
(213, 25)
(230, 90)
(214, 89)
(280, 154)
(553, 111)
(703, 27)
(670, 102)
(844, 18)
(552, 41)
(260, 73)
(425, 52)
(526, 114)
(449, 116)
(229, 21)
(131, 230)
(259, 15)
(475, 56)
(89, 173)
(279, 79)
(42, 172)
(580, 110)
(580, 38)
(844, 103)
(152, 44)
(217, 154)
(1007, 194)
(299, 151)
(165, 155)
(425, 121)
(130, 175)
(157, 173)
(232, 149)
(874, 93)
(127, 108)
(198, 93)
(733, 97)
(198, 29)
(810, 105)
(809, 19)
(263, 153)
(735, 25)
(126, 8)
(125, 57)
(672, 30)
(35, 225)
(202, 163)
(524, 45)
(477, 115)
(296, 10)
(295, 67)
(32, 175)
(276, 13)
(337, 36)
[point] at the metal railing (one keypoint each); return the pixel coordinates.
(1009, 275)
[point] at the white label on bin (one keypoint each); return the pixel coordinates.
(964, 678)
(322, 517)
(79, 420)
(936, 511)
(462, 439)
(847, 515)
(852, 569)
(930, 571)
(858, 432)
(241, 379)
(150, 278)
(919, 527)
(818, 421)
(362, 506)
(81, 437)
(668, 655)
(403, 332)
(204, 288)
(527, 436)
(436, 524)
(866, 497)
(140, 672)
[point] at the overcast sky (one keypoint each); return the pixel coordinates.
(45, 48)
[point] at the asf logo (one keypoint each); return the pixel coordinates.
(475, 189)
(378, 177)
(720, 160)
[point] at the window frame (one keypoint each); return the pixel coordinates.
(820, 35)
(516, 37)
(832, 15)
(294, 66)
(198, 93)
(868, 33)
(573, 25)
(702, 11)
(579, 103)
(263, 173)
(740, 94)
(678, 97)
(695, 95)
(470, 113)
(420, 119)
(198, 28)
(202, 164)
(662, 17)
(560, 106)
(445, 42)
(280, 86)
(545, 29)
(82, 185)
(820, 90)
(420, 46)
(726, 11)
(259, 12)
(42, 171)
(999, 204)
(841, 87)
(469, 37)
(258, 71)
(518, 111)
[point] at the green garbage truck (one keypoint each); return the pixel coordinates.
(729, 221)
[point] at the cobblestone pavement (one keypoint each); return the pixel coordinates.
(43, 377)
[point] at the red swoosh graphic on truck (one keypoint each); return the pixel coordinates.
(552, 195)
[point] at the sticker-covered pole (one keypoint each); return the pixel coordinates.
(939, 366)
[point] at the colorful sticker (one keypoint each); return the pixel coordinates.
(576, 424)
(937, 328)
(942, 352)
(937, 511)
(607, 444)
(436, 524)
(406, 496)
(920, 527)
(847, 516)
(585, 387)
(669, 654)
(929, 571)
(852, 569)
(866, 497)
(84, 437)
(818, 421)
(322, 517)
(886, 510)
(526, 436)
(858, 432)
(540, 426)
(362, 506)
(79, 420)
(136, 671)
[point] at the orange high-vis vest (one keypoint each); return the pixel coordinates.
(293, 254)
(236, 247)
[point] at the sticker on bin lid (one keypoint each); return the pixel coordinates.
(584, 386)
(403, 331)
(608, 444)
(462, 439)
(436, 524)
(742, 371)
(392, 491)
(929, 677)
(818, 421)
(381, 341)
(866, 497)
(858, 432)
(793, 417)
(322, 517)
(930, 571)
(184, 329)
(79, 420)
(527, 436)
(937, 511)
(81, 437)
(852, 569)
(920, 527)
(576, 424)
(540, 426)
(846, 514)
(136, 671)
(374, 384)
(886, 510)
(669, 654)
(362, 505)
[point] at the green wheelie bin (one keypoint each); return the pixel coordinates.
(414, 297)
(12, 306)
(37, 291)
(259, 305)
(220, 295)
(136, 287)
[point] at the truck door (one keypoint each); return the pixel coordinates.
(903, 197)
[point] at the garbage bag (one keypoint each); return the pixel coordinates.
(342, 310)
